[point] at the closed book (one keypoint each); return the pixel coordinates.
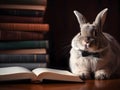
(24, 58)
(24, 51)
(20, 19)
(24, 27)
(22, 7)
(23, 44)
(27, 13)
(31, 2)
(26, 65)
(6, 35)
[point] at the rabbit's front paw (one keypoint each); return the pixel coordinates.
(84, 75)
(101, 75)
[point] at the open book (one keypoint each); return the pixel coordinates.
(38, 74)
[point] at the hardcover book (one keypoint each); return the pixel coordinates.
(6, 35)
(29, 2)
(24, 58)
(23, 7)
(23, 13)
(20, 19)
(8, 45)
(24, 51)
(25, 27)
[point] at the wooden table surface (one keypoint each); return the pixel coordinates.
(113, 84)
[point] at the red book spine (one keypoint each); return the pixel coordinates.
(24, 27)
(19, 35)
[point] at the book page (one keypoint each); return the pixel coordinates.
(53, 74)
(15, 73)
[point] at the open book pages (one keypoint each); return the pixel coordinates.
(54, 74)
(37, 71)
(13, 70)
(15, 73)
(38, 74)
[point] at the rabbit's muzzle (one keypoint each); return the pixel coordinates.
(87, 42)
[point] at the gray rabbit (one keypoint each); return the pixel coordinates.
(93, 51)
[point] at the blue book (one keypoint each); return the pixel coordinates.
(24, 58)
(8, 45)
(28, 13)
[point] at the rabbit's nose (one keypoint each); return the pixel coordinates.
(85, 42)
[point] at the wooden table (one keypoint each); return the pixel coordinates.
(113, 84)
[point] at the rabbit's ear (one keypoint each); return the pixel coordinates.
(81, 19)
(100, 19)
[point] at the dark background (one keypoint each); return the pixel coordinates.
(64, 25)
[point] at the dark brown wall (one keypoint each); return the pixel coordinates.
(63, 24)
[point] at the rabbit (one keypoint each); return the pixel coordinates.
(94, 54)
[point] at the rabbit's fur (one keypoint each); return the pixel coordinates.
(94, 52)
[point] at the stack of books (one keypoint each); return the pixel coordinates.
(23, 32)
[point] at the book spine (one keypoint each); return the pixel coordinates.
(20, 35)
(24, 27)
(20, 19)
(24, 58)
(31, 2)
(24, 51)
(22, 7)
(30, 66)
(27, 13)
(23, 44)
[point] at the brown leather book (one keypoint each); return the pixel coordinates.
(29, 2)
(24, 27)
(21, 35)
(24, 51)
(23, 7)
(20, 19)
